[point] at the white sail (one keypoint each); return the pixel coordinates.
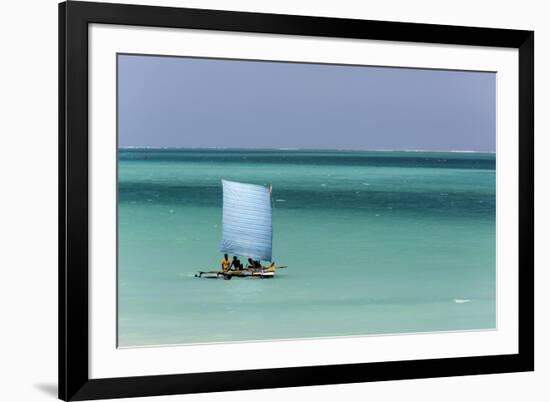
(247, 229)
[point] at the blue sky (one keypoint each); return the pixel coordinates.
(205, 103)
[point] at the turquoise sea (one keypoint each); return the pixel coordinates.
(376, 243)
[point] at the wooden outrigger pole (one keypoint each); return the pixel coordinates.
(261, 273)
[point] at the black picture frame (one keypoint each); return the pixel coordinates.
(74, 381)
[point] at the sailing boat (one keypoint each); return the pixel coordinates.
(247, 229)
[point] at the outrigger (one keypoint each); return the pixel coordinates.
(247, 230)
(261, 273)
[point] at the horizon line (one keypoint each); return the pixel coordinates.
(137, 147)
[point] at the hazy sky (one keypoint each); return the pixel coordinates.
(185, 102)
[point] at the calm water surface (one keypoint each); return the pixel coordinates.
(376, 242)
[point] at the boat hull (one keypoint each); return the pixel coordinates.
(265, 273)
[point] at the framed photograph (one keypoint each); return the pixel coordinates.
(258, 201)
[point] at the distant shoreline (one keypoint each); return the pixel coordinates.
(127, 148)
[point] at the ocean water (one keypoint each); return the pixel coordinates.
(376, 243)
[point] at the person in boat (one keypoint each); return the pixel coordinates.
(254, 263)
(225, 263)
(236, 264)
